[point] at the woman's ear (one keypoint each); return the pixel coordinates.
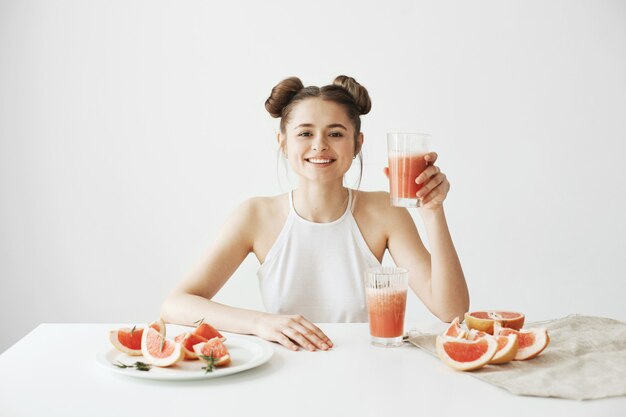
(282, 144)
(359, 144)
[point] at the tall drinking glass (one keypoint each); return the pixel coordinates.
(406, 161)
(386, 289)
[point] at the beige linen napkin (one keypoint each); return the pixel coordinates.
(586, 359)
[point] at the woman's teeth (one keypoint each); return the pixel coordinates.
(319, 161)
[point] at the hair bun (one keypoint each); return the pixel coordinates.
(357, 91)
(282, 94)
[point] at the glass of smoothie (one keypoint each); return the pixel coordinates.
(385, 289)
(406, 161)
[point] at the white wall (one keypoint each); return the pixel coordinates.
(129, 130)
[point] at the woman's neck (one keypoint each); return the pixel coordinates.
(320, 203)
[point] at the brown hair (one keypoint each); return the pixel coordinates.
(344, 90)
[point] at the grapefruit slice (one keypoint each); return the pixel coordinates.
(187, 340)
(507, 348)
(507, 345)
(483, 320)
(466, 355)
(159, 351)
(208, 332)
(215, 348)
(128, 340)
(455, 330)
(531, 341)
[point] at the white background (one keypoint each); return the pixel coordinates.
(129, 130)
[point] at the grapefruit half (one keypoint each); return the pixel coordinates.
(483, 320)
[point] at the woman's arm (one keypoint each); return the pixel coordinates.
(436, 277)
(191, 301)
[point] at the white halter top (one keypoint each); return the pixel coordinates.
(317, 269)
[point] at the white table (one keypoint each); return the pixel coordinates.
(53, 371)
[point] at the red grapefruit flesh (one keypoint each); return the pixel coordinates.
(484, 320)
(208, 332)
(128, 340)
(188, 340)
(215, 348)
(466, 355)
(454, 330)
(531, 341)
(159, 351)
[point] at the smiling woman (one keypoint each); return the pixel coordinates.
(315, 242)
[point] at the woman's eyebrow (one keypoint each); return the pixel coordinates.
(330, 126)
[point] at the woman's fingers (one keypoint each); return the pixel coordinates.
(299, 338)
(285, 341)
(431, 157)
(429, 172)
(386, 171)
(436, 196)
(313, 334)
(431, 185)
(312, 327)
(294, 332)
(430, 197)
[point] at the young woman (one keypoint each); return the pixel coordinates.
(315, 242)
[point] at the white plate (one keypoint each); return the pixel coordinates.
(245, 352)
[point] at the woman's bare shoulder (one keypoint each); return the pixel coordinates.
(262, 210)
(267, 204)
(375, 207)
(372, 202)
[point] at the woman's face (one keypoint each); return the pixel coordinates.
(319, 140)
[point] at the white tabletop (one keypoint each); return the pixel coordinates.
(53, 371)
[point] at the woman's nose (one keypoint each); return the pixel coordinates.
(319, 144)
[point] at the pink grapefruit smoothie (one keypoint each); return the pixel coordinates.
(403, 170)
(386, 311)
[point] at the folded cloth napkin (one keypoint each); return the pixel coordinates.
(586, 359)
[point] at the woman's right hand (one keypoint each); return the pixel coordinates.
(292, 332)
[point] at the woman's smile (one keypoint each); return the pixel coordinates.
(320, 161)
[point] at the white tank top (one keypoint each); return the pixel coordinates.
(316, 269)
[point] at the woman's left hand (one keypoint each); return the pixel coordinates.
(436, 184)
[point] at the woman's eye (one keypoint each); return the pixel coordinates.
(336, 134)
(304, 134)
